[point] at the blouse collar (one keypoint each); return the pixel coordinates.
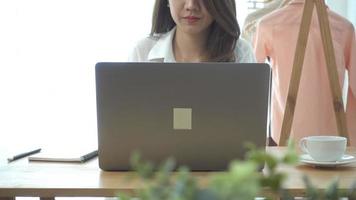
(163, 49)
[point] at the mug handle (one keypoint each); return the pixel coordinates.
(303, 145)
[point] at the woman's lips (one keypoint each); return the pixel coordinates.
(191, 19)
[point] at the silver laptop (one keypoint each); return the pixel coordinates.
(200, 114)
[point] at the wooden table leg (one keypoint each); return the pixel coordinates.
(7, 198)
(46, 198)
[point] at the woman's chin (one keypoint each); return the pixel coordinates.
(193, 29)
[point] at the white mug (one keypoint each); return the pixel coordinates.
(324, 148)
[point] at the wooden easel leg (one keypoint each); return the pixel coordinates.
(296, 73)
(7, 198)
(297, 69)
(332, 68)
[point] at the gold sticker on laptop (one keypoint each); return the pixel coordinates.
(182, 118)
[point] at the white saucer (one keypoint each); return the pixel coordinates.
(346, 159)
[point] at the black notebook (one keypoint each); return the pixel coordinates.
(65, 156)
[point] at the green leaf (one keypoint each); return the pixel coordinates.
(261, 157)
(185, 186)
(285, 195)
(165, 171)
(332, 192)
(207, 194)
(123, 196)
(271, 162)
(311, 192)
(291, 145)
(291, 157)
(241, 181)
(274, 181)
(352, 191)
(144, 169)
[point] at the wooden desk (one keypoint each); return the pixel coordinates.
(49, 180)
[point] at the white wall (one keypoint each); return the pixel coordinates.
(48, 49)
(346, 8)
(47, 55)
(352, 11)
(339, 6)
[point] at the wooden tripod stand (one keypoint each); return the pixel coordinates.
(298, 65)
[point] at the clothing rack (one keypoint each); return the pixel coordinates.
(298, 65)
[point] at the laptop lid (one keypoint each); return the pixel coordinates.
(201, 114)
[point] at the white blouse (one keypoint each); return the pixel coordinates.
(159, 49)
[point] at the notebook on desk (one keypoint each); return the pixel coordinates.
(64, 156)
(201, 114)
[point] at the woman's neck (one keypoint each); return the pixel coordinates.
(188, 47)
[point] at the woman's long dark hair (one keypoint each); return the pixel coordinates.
(225, 30)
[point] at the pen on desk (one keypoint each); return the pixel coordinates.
(89, 156)
(21, 155)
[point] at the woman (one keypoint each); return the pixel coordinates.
(193, 31)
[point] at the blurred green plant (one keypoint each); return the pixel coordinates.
(242, 181)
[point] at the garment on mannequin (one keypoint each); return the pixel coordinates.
(276, 38)
(252, 19)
